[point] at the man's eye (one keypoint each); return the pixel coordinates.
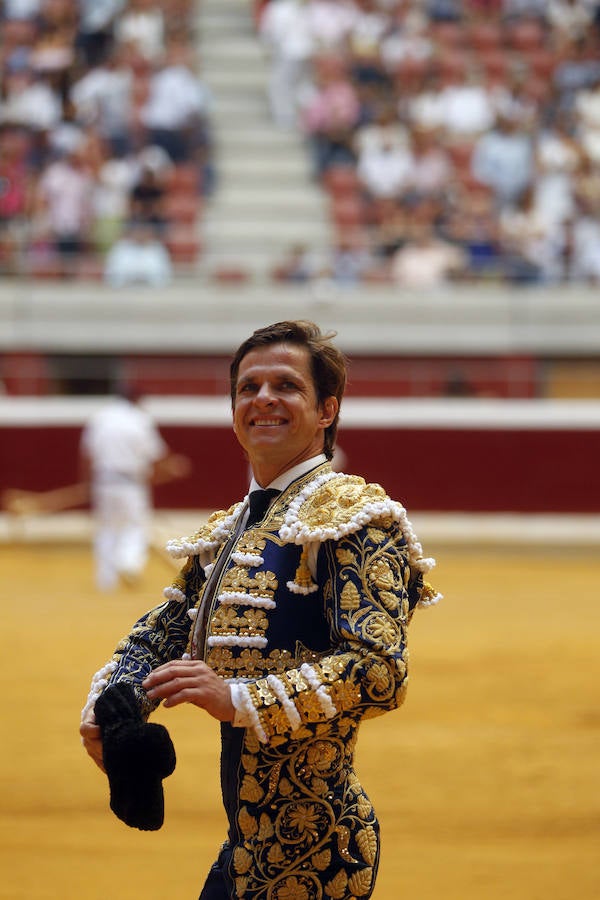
(245, 388)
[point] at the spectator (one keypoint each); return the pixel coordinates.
(385, 169)
(557, 156)
(368, 29)
(102, 97)
(297, 267)
(29, 101)
(16, 184)
(330, 23)
(115, 177)
(176, 113)
(425, 261)
(532, 243)
(503, 160)
(472, 224)
(285, 32)
(466, 108)
(587, 117)
(570, 20)
(64, 205)
(331, 115)
(350, 261)
(141, 28)
(147, 197)
(584, 237)
(94, 39)
(138, 257)
(431, 165)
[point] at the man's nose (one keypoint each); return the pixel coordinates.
(265, 394)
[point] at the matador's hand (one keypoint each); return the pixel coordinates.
(191, 681)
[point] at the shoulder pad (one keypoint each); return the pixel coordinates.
(334, 505)
(209, 537)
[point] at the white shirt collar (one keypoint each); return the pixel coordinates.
(282, 481)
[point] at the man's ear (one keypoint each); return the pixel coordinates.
(329, 411)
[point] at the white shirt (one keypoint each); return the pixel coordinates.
(122, 438)
(176, 96)
(130, 262)
(282, 481)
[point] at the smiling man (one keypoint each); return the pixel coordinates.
(299, 597)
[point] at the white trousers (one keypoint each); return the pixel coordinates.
(122, 512)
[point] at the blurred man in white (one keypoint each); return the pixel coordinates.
(122, 455)
(138, 257)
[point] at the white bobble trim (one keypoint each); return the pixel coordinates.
(99, 682)
(230, 597)
(432, 601)
(182, 547)
(173, 593)
(247, 715)
(299, 589)
(280, 692)
(236, 640)
(247, 559)
(323, 697)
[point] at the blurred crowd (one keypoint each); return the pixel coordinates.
(456, 139)
(105, 141)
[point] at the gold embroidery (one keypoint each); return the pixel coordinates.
(250, 542)
(236, 579)
(336, 888)
(345, 695)
(251, 790)
(337, 501)
(250, 663)
(309, 707)
(366, 840)
(275, 720)
(242, 860)
(360, 882)
(350, 598)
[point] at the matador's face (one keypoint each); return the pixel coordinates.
(276, 416)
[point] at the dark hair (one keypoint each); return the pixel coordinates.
(328, 364)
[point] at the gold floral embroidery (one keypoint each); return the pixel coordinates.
(251, 542)
(309, 707)
(345, 695)
(337, 501)
(236, 579)
(381, 575)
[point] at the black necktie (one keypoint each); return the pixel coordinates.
(258, 504)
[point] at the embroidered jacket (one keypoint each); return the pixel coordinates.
(306, 614)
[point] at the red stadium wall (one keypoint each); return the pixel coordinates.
(470, 469)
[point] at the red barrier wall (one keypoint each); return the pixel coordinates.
(429, 469)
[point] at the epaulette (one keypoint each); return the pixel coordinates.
(334, 505)
(209, 537)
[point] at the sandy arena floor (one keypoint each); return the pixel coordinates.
(486, 782)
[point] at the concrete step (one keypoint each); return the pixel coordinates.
(233, 53)
(252, 197)
(228, 78)
(262, 238)
(271, 168)
(251, 137)
(265, 199)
